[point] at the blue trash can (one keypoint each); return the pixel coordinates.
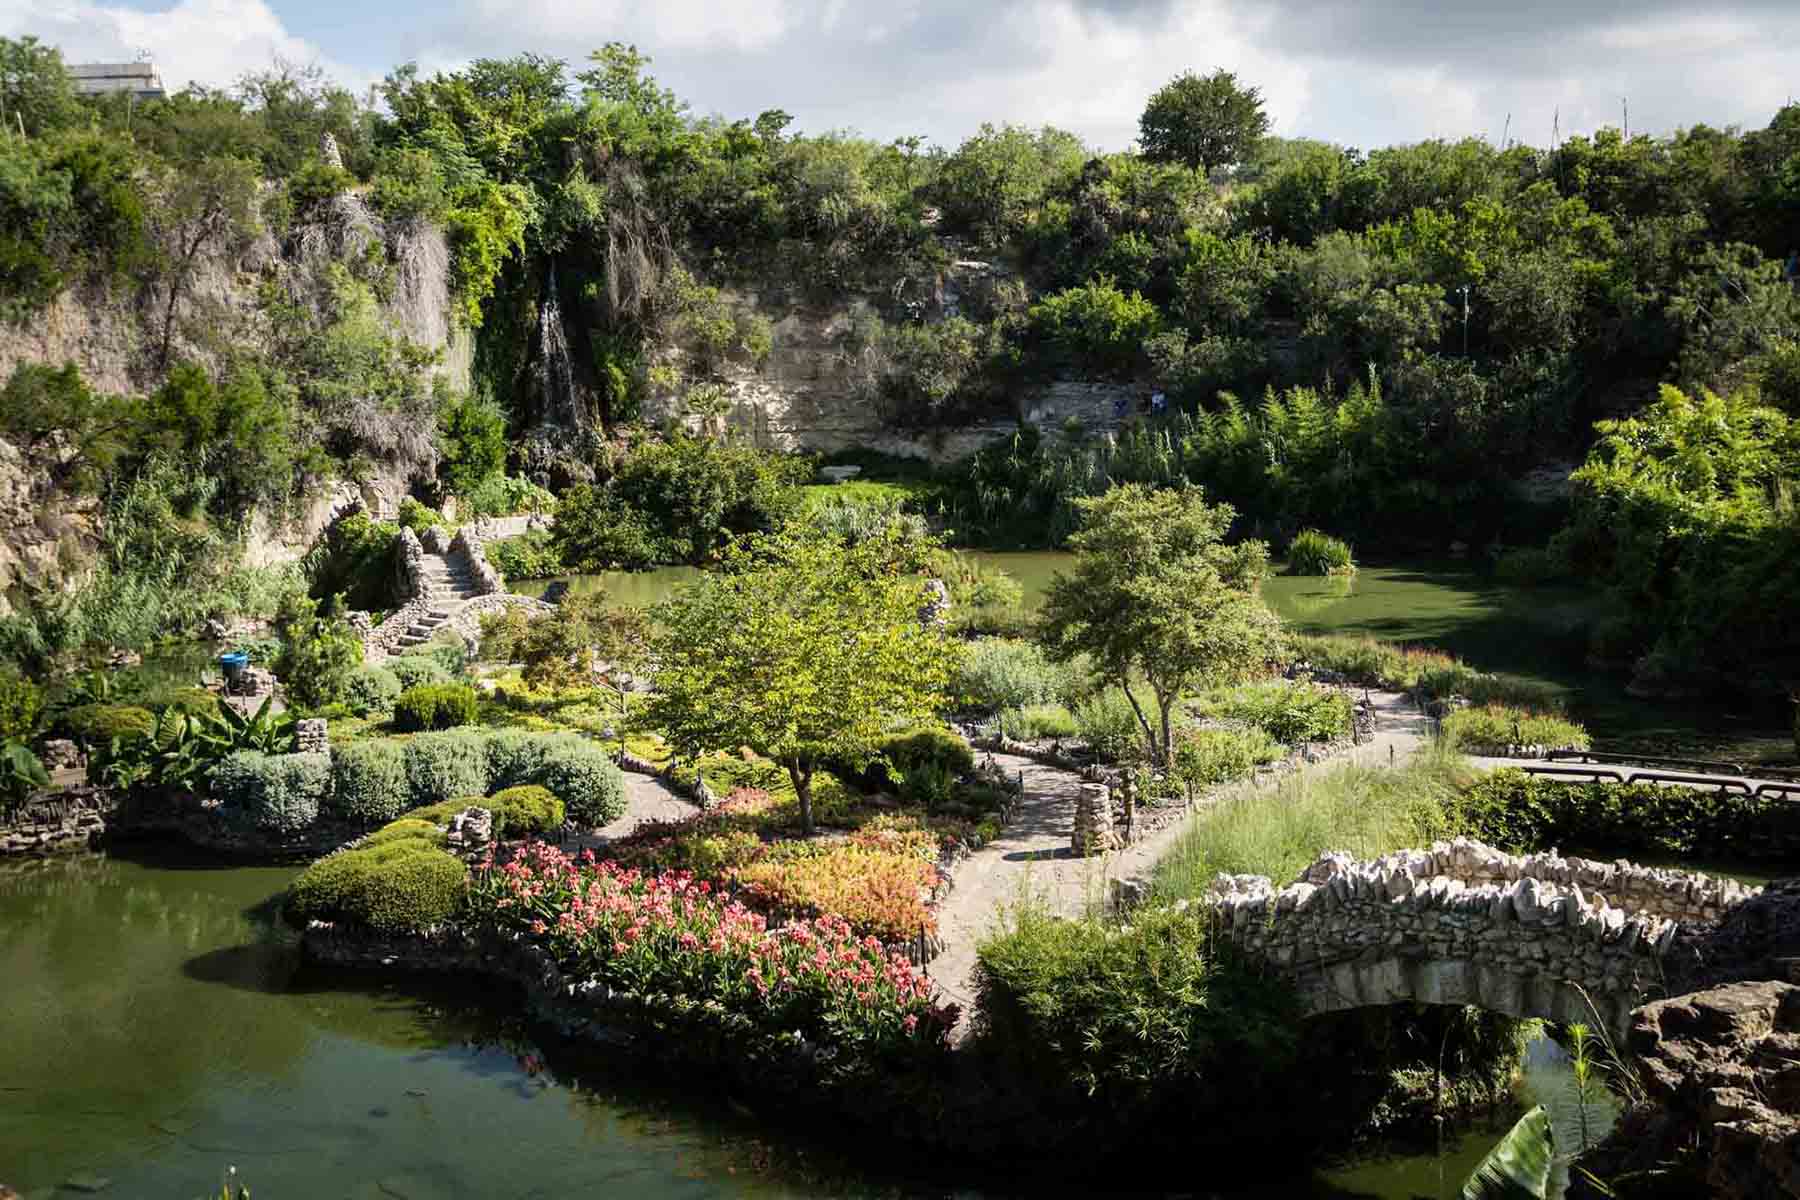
(233, 665)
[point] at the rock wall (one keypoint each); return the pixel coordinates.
(50, 822)
(1463, 923)
(113, 333)
(805, 396)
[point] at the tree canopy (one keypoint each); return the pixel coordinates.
(1204, 121)
(803, 648)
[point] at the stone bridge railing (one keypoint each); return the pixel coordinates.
(1462, 923)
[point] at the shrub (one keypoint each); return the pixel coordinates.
(282, 793)
(506, 496)
(407, 829)
(1290, 713)
(998, 673)
(1106, 722)
(1095, 1011)
(371, 689)
(1315, 553)
(442, 765)
(1523, 812)
(1415, 668)
(21, 706)
(1525, 566)
(449, 655)
(528, 809)
(319, 651)
(1495, 729)
(874, 888)
(97, 724)
(928, 746)
(416, 670)
(434, 706)
(585, 779)
(529, 556)
(369, 782)
(357, 559)
(398, 886)
(1036, 721)
(418, 517)
(1204, 757)
(515, 758)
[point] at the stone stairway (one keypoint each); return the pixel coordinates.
(447, 584)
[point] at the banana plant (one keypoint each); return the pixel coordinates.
(21, 772)
(181, 748)
(1573, 1112)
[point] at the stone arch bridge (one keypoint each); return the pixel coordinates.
(1567, 939)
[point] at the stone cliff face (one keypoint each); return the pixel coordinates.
(805, 396)
(113, 335)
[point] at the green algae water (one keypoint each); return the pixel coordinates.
(156, 1028)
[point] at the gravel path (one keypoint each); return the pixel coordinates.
(646, 799)
(1032, 855)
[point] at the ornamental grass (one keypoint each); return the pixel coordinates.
(668, 933)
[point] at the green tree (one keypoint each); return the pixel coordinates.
(802, 648)
(1157, 595)
(36, 92)
(1203, 120)
(472, 438)
(319, 650)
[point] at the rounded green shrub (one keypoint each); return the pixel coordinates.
(585, 779)
(434, 706)
(527, 809)
(369, 782)
(442, 765)
(103, 722)
(399, 886)
(515, 757)
(407, 829)
(416, 670)
(282, 793)
(999, 673)
(371, 689)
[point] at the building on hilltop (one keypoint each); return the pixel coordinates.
(136, 78)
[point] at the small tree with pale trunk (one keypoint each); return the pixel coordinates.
(802, 648)
(1158, 595)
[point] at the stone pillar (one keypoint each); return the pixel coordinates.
(1093, 822)
(310, 736)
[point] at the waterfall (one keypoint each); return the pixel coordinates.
(556, 373)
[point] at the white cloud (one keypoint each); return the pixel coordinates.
(211, 42)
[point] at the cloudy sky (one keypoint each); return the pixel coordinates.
(1359, 72)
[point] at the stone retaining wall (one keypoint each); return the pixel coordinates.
(48, 822)
(1463, 923)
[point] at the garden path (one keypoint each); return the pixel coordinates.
(1032, 855)
(646, 799)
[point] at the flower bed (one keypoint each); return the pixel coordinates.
(877, 878)
(666, 932)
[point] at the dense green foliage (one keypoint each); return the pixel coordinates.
(370, 690)
(368, 782)
(1686, 514)
(804, 649)
(1315, 553)
(1524, 812)
(1203, 121)
(1497, 729)
(281, 793)
(676, 501)
(1158, 595)
(399, 884)
(1289, 713)
(434, 706)
(320, 652)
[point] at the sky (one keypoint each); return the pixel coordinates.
(1360, 73)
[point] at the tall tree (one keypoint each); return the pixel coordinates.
(1158, 595)
(1203, 120)
(802, 648)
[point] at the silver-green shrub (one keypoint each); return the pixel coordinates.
(369, 782)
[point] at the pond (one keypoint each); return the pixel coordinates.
(1536, 632)
(156, 1028)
